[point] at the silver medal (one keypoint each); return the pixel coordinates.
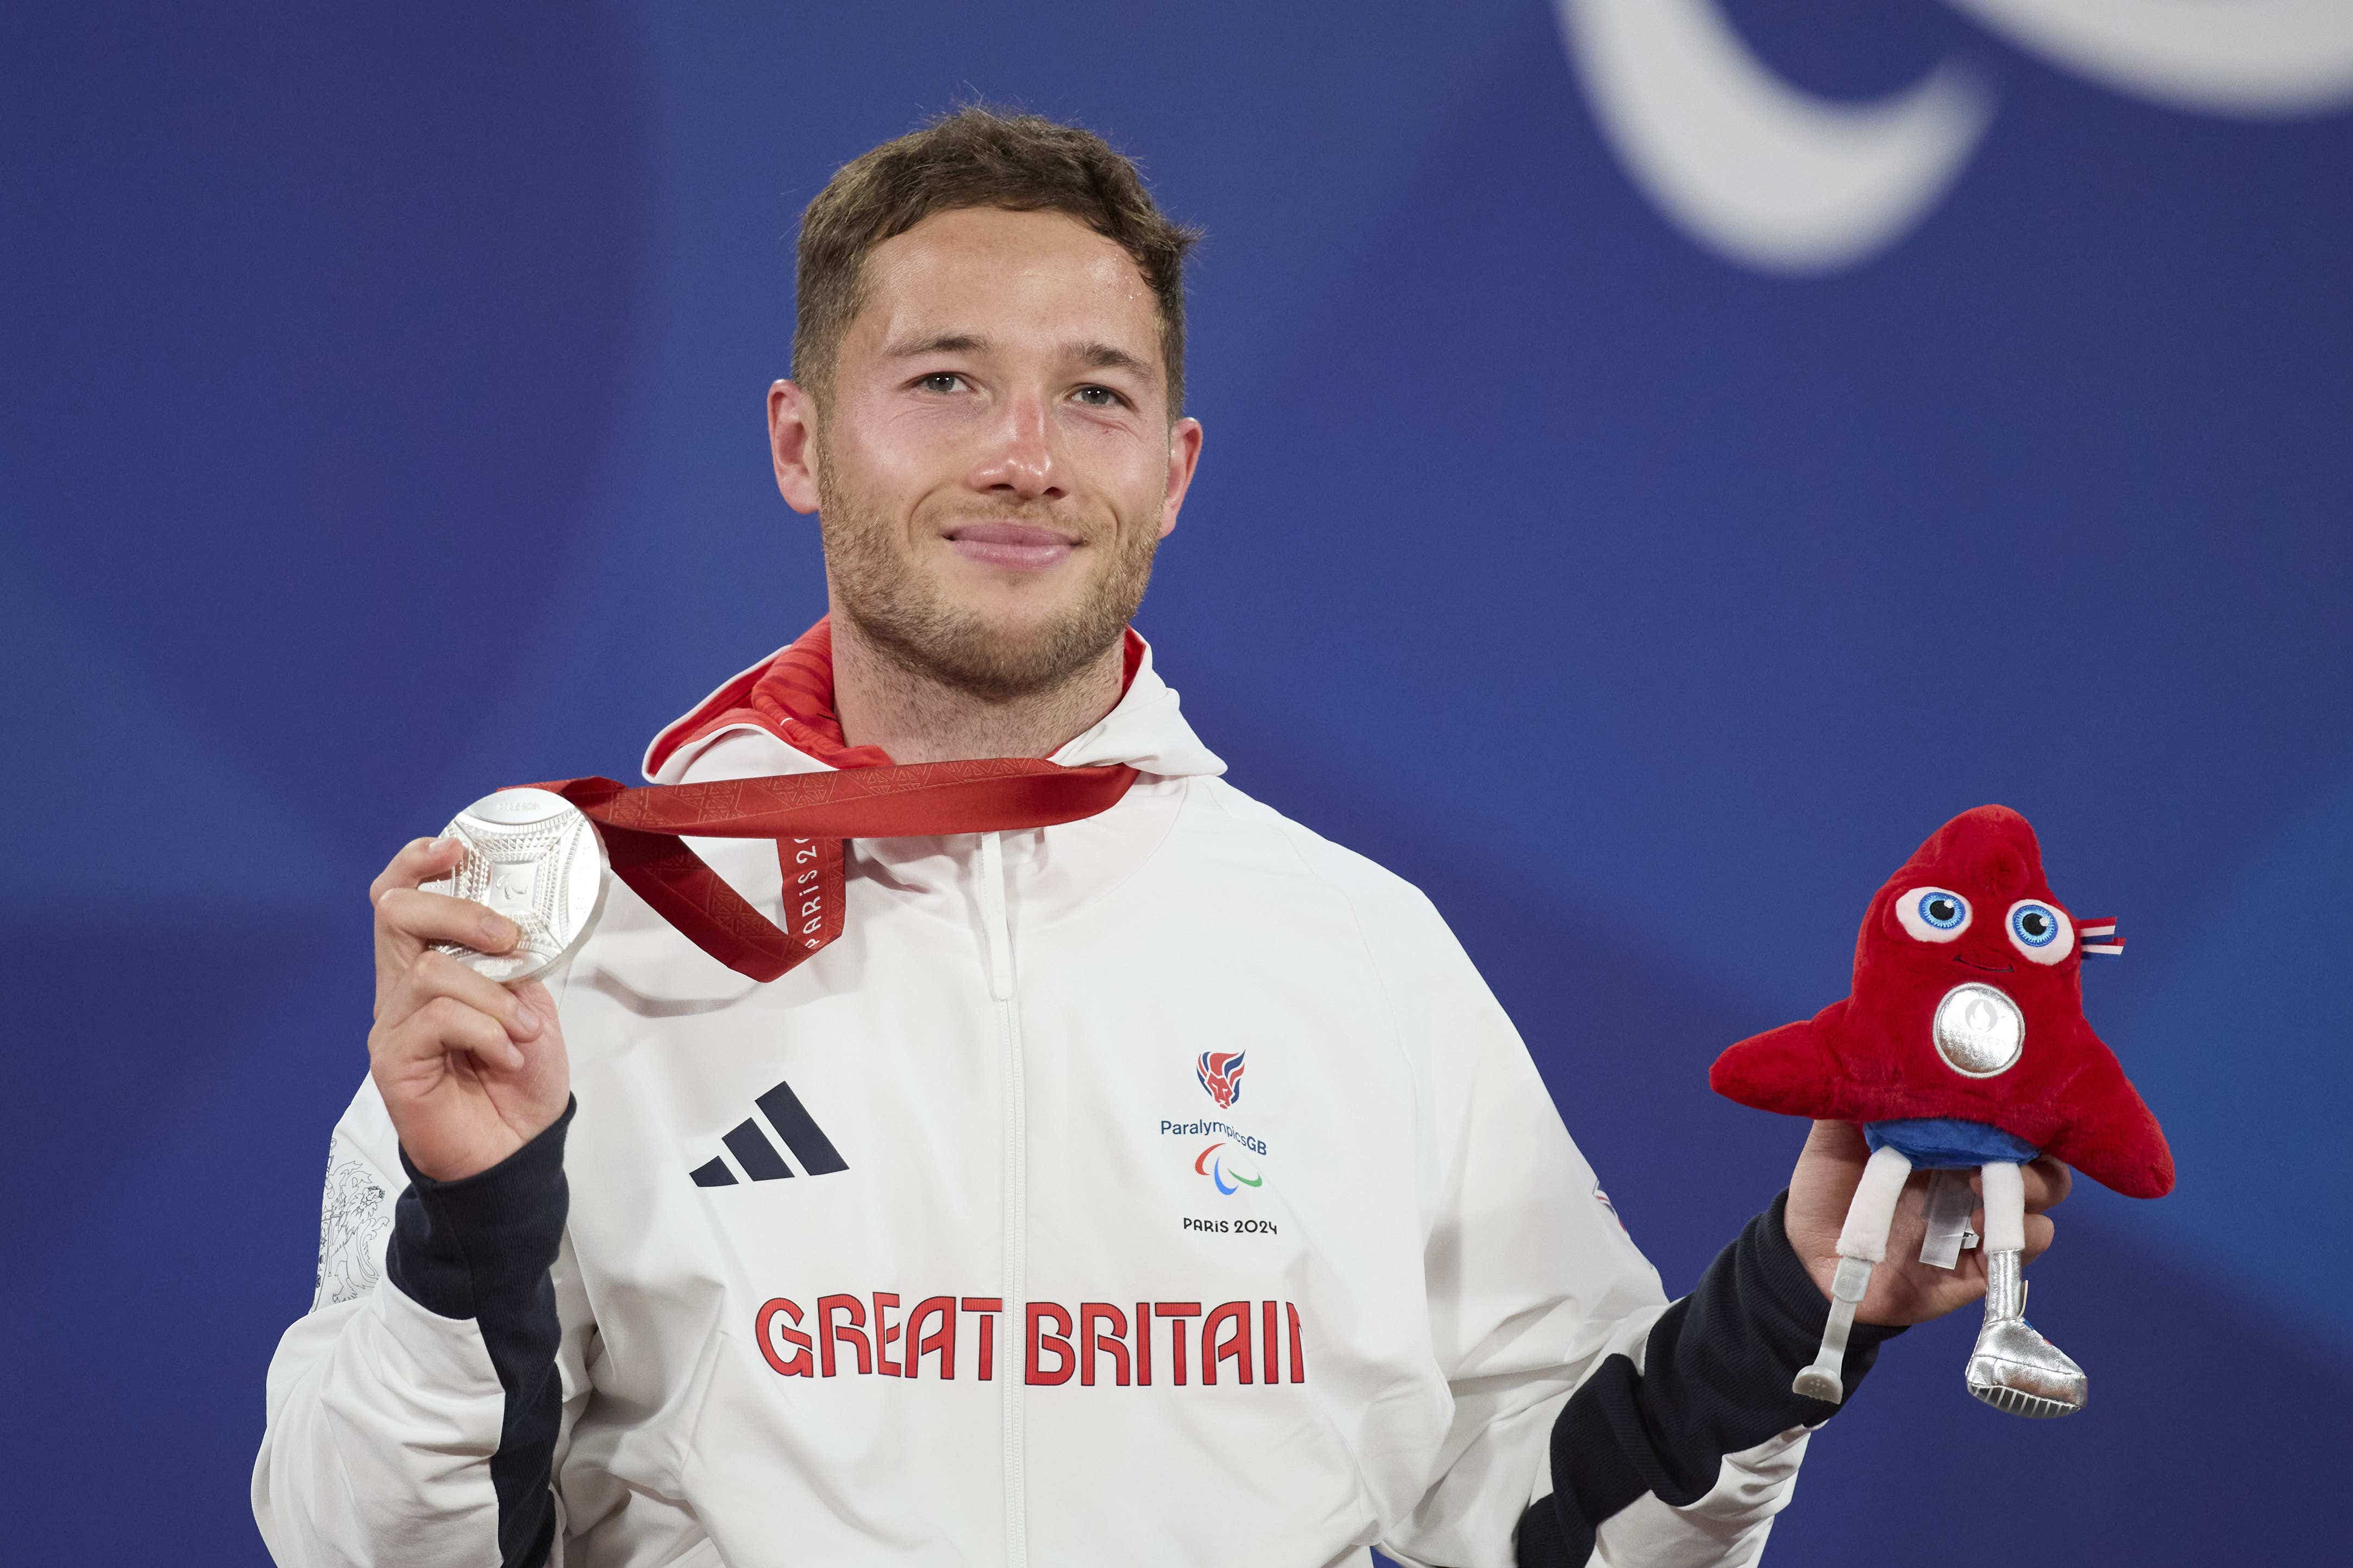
(1978, 1030)
(530, 856)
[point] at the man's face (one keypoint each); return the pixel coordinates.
(994, 463)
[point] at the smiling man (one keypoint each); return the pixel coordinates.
(982, 425)
(1159, 1188)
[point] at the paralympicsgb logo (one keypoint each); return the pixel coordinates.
(1221, 1074)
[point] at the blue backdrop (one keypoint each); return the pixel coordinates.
(1664, 458)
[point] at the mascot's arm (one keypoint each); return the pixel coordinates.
(2111, 1135)
(1791, 1069)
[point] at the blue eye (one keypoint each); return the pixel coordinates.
(1933, 914)
(2040, 931)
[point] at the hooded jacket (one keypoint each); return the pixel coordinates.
(1160, 1188)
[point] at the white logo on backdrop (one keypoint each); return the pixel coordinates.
(1768, 176)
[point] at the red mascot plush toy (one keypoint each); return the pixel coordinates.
(1964, 1043)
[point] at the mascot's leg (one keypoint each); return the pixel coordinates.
(2013, 1368)
(1863, 1242)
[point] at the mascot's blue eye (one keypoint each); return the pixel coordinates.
(2042, 932)
(1933, 914)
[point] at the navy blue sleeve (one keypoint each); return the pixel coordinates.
(481, 1248)
(1716, 1380)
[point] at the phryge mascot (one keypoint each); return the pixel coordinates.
(1964, 1043)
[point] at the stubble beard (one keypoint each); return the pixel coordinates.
(903, 615)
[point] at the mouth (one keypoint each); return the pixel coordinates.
(1015, 546)
(1989, 968)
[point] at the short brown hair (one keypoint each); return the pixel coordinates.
(979, 157)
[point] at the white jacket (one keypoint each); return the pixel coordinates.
(1371, 1262)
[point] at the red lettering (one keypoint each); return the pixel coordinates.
(884, 1332)
(1113, 1341)
(852, 1333)
(766, 1330)
(1234, 1347)
(988, 1306)
(942, 1338)
(1060, 1343)
(1177, 1334)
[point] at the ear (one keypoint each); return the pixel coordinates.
(792, 443)
(1184, 452)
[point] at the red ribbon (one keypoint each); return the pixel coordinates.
(808, 816)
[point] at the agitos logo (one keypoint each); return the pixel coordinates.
(1227, 1169)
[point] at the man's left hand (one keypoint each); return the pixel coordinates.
(1902, 1290)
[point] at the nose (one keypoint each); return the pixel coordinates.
(1019, 461)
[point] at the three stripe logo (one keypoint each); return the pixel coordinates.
(758, 1156)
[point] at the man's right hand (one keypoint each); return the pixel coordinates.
(471, 1069)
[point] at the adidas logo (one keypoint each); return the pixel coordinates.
(758, 1156)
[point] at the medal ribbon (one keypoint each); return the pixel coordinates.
(808, 816)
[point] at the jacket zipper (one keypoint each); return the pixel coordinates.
(1012, 1356)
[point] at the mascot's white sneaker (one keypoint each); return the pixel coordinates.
(2012, 1367)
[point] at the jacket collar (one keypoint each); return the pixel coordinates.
(1143, 729)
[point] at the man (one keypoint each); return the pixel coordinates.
(1160, 1187)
